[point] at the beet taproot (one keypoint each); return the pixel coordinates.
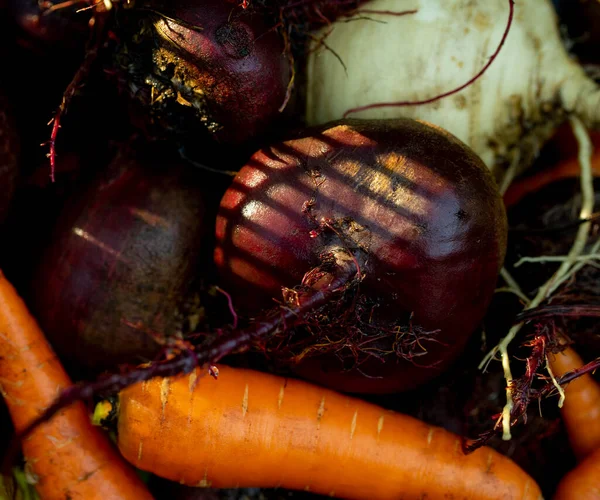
(414, 209)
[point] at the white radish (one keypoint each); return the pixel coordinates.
(505, 116)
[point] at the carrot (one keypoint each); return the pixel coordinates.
(581, 416)
(67, 457)
(566, 168)
(250, 429)
(581, 409)
(583, 482)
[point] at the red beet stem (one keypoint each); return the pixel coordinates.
(96, 41)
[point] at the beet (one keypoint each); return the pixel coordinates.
(123, 260)
(205, 65)
(415, 210)
(9, 152)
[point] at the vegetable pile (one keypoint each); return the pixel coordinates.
(276, 248)
(67, 457)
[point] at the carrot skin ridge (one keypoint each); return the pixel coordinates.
(67, 456)
(250, 429)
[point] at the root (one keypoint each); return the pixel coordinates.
(555, 383)
(513, 287)
(234, 315)
(571, 264)
(586, 259)
(345, 328)
(96, 41)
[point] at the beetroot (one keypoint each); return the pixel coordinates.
(117, 274)
(205, 65)
(414, 213)
(9, 152)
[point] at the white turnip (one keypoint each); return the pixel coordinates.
(505, 116)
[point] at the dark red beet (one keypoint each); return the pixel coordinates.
(9, 152)
(414, 206)
(209, 64)
(127, 250)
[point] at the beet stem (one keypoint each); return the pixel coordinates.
(96, 41)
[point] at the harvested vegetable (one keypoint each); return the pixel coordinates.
(406, 210)
(209, 65)
(66, 457)
(583, 481)
(254, 429)
(395, 231)
(120, 270)
(9, 151)
(581, 408)
(505, 115)
(581, 416)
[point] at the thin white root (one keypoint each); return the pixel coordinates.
(511, 172)
(564, 272)
(513, 286)
(557, 258)
(575, 269)
(507, 289)
(555, 383)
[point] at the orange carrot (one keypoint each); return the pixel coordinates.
(67, 457)
(566, 168)
(581, 409)
(583, 482)
(251, 429)
(581, 415)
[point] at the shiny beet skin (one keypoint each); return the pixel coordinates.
(9, 153)
(417, 208)
(123, 259)
(208, 65)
